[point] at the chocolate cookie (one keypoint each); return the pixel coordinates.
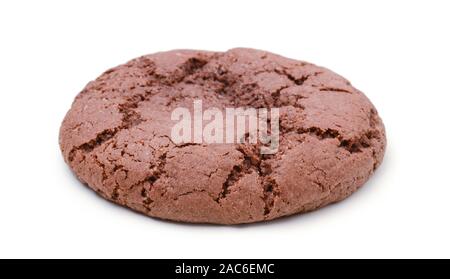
(118, 137)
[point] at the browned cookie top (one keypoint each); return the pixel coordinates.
(117, 137)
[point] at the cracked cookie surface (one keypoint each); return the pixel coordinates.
(116, 137)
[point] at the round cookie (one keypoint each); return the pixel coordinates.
(117, 137)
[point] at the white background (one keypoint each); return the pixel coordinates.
(397, 52)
